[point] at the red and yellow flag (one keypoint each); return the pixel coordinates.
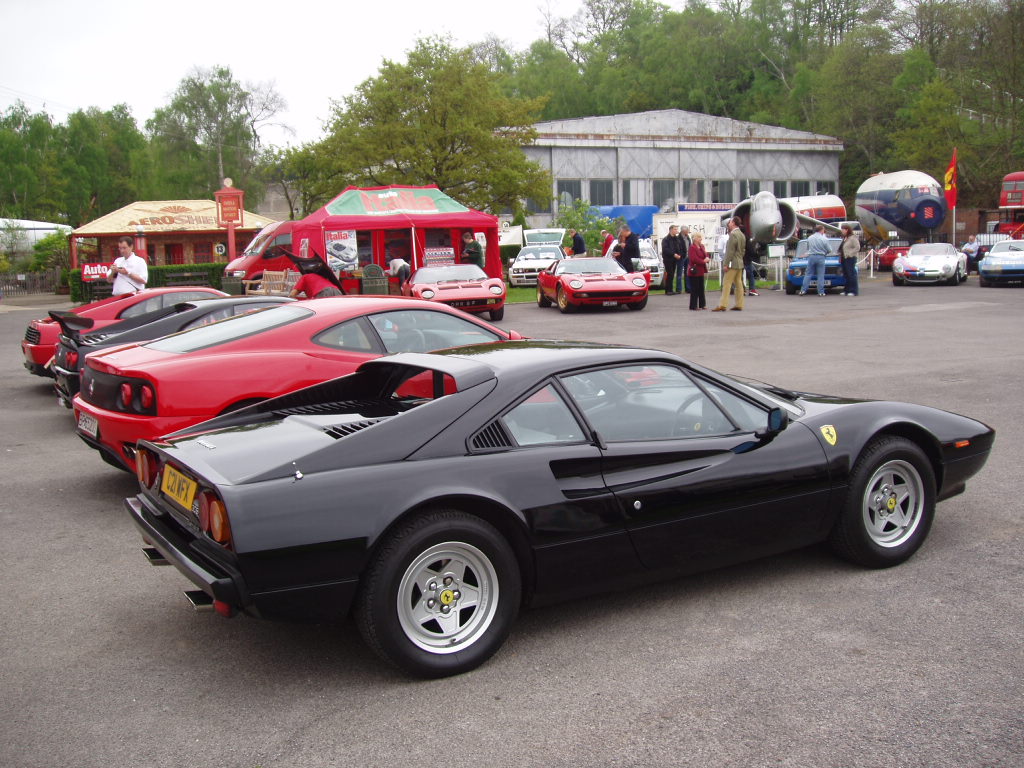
(950, 182)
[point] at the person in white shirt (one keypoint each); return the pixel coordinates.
(129, 272)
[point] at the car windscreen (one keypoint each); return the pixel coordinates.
(536, 254)
(444, 274)
(591, 267)
(931, 249)
(229, 330)
(1006, 246)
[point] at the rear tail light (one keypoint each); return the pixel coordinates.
(213, 517)
(126, 396)
(136, 396)
(146, 397)
(147, 466)
(72, 359)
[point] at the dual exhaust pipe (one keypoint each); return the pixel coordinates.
(199, 600)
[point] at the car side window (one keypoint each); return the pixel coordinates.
(747, 415)
(350, 335)
(210, 317)
(646, 402)
(414, 330)
(543, 418)
(144, 306)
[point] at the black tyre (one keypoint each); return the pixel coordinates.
(497, 314)
(890, 506)
(790, 289)
(440, 596)
(542, 300)
(897, 281)
(639, 305)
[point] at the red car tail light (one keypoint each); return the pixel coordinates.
(146, 397)
(72, 359)
(126, 396)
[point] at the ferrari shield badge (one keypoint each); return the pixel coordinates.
(829, 433)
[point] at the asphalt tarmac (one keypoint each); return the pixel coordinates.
(796, 660)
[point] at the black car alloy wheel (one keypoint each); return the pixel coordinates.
(441, 595)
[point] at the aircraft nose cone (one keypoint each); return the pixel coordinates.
(929, 213)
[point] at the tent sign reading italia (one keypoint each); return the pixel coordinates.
(93, 272)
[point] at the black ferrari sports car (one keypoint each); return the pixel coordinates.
(77, 340)
(528, 471)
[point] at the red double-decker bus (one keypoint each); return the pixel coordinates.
(1011, 205)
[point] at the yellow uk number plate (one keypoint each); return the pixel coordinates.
(180, 488)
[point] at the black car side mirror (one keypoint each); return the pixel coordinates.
(778, 420)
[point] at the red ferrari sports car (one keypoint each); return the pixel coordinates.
(591, 282)
(41, 336)
(465, 286)
(142, 391)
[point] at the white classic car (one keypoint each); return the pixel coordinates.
(1004, 263)
(543, 247)
(930, 263)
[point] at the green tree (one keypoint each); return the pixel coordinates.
(51, 252)
(31, 185)
(212, 124)
(588, 221)
(439, 118)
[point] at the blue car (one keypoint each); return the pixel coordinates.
(1004, 263)
(833, 268)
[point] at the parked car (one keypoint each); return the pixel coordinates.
(833, 268)
(1004, 263)
(531, 261)
(930, 263)
(592, 282)
(142, 391)
(534, 471)
(465, 286)
(41, 335)
(78, 339)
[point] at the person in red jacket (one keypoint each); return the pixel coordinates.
(606, 243)
(695, 270)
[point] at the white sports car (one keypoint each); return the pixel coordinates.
(1004, 263)
(930, 263)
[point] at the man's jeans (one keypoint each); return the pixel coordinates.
(815, 262)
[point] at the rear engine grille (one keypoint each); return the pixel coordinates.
(336, 406)
(339, 431)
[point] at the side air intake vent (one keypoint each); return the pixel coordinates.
(339, 431)
(492, 437)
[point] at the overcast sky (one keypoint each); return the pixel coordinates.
(58, 56)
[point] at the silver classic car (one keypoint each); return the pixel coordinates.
(930, 263)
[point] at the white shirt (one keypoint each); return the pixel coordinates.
(136, 266)
(396, 264)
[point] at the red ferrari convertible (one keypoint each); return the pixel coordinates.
(41, 336)
(591, 282)
(465, 286)
(139, 391)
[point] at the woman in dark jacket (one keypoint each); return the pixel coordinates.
(697, 268)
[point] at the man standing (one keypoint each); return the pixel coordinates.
(672, 257)
(732, 265)
(129, 272)
(472, 253)
(579, 248)
(817, 251)
(682, 280)
(627, 249)
(749, 257)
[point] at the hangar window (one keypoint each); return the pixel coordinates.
(799, 188)
(780, 188)
(749, 188)
(602, 192)
(538, 206)
(826, 188)
(722, 191)
(664, 193)
(569, 190)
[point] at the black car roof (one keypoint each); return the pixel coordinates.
(526, 360)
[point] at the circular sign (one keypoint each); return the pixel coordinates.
(219, 249)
